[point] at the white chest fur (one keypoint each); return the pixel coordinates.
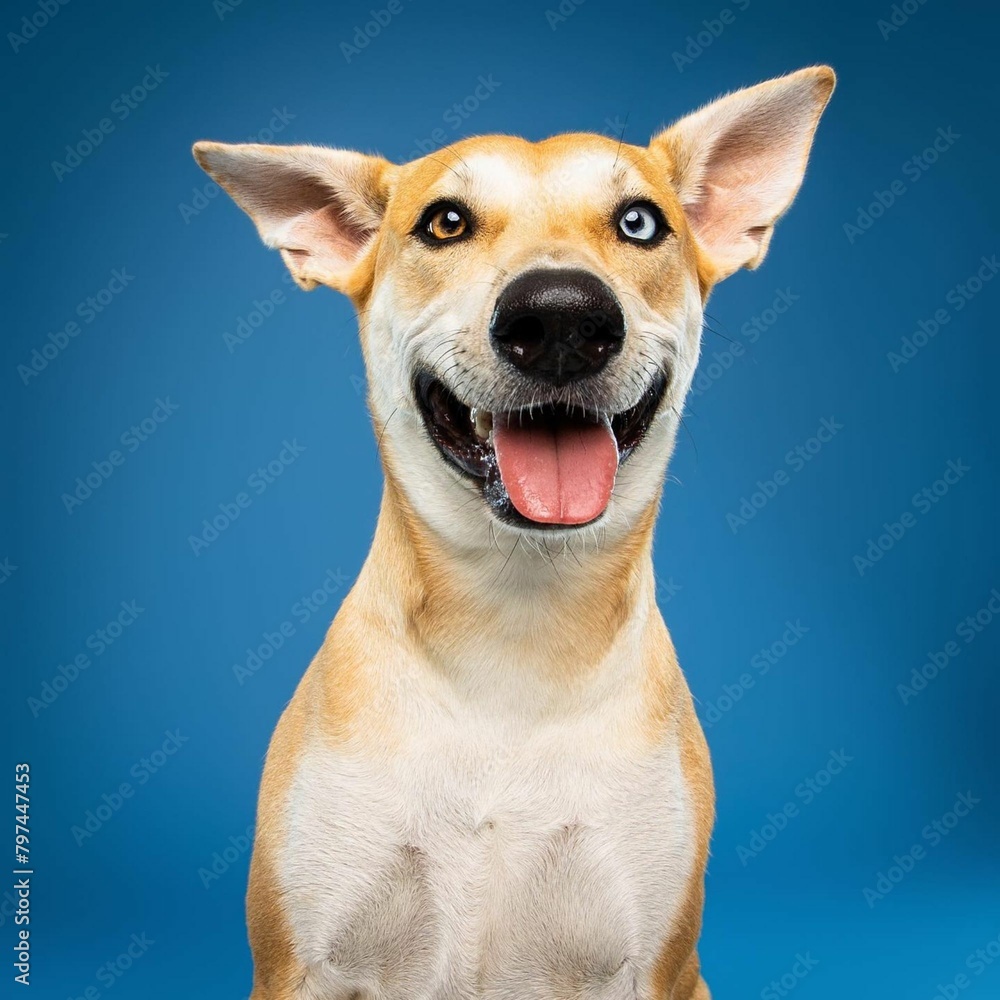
(486, 861)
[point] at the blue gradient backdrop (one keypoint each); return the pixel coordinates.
(193, 268)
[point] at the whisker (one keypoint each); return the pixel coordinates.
(687, 430)
(621, 139)
(384, 426)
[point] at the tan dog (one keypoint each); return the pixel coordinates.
(491, 782)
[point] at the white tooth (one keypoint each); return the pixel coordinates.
(606, 421)
(482, 421)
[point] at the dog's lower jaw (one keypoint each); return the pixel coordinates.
(430, 631)
(462, 517)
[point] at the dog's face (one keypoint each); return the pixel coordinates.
(531, 312)
(535, 310)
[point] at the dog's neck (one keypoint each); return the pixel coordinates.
(508, 608)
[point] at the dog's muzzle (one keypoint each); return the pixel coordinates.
(557, 326)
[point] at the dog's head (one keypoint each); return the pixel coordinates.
(531, 312)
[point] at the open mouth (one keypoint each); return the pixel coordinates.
(549, 466)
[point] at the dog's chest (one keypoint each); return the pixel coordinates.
(478, 863)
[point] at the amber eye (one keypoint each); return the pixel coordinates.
(444, 222)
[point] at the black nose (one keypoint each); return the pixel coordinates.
(557, 325)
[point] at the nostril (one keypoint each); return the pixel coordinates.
(528, 331)
(598, 326)
(558, 325)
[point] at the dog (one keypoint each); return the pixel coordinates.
(491, 781)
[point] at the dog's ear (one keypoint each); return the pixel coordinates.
(320, 207)
(737, 163)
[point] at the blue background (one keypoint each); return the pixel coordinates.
(727, 594)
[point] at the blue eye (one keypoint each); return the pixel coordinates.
(639, 223)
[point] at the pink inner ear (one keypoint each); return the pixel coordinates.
(318, 206)
(746, 184)
(325, 240)
(731, 208)
(738, 163)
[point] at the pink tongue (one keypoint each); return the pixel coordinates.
(557, 475)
